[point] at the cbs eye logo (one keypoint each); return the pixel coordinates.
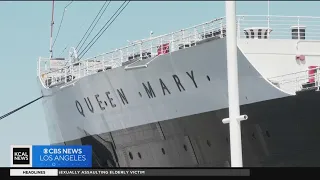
(45, 151)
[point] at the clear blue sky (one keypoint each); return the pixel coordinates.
(24, 36)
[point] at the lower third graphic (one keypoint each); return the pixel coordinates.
(62, 156)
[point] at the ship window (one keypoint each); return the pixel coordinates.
(267, 133)
(259, 33)
(208, 78)
(302, 34)
(252, 33)
(208, 142)
(253, 137)
(185, 147)
(266, 34)
(247, 34)
(163, 152)
(296, 33)
(139, 155)
(130, 155)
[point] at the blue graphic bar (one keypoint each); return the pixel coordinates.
(61, 156)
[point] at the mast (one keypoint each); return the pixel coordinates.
(268, 16)
(233, 89)
(52, 22)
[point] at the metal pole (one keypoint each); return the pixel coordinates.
(52, 22)
(233, 89)
(268, 8)
(268, 16)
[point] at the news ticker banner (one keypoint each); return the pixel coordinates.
(51, 156)
(129, 172)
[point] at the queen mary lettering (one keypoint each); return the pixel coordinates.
(106, 100)
(103, 101)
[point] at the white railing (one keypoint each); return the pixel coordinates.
(156, 46)
(298, 81)
(281, 25)
(138, 50)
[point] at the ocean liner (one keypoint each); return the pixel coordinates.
(160, 101)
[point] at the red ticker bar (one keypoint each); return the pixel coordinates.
(154, 172)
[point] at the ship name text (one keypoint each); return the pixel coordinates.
(108, 99)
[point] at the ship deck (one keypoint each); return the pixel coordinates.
(58, 72)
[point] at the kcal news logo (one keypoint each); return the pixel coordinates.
(21, 156)
(51, 156)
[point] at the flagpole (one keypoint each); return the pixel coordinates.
(51, 31)
(268, 8)
(268, 15)
(233, 89)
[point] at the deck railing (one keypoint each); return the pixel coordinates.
(298, 81)
(52, 75)
(281, 26)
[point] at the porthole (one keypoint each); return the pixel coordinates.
(139, 155)
(208, 143)
(253, 137)
(163, 152)
(130, 155)
(267, 133)
(185, 147)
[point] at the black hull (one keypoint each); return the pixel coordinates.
(280, 132)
